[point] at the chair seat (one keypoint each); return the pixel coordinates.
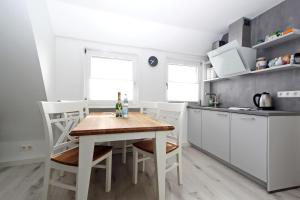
(71, 157)
(148, 146)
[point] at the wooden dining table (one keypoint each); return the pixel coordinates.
(105, 127)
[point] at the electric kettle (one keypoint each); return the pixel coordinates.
(263, 101)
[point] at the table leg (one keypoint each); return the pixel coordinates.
(86, 150)
(160, 161)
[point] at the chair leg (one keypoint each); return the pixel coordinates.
(46, 180)
(124, 152)
(108, 173)
(135, 165)
(179, 167)
(144, 163)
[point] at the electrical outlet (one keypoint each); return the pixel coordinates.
(288, 94)
(296, 93)
(26, 147)
(23, 147)
(280, 94)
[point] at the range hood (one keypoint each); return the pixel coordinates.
(234, 58)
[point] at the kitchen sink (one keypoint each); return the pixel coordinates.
(240, 108)
(230, 108)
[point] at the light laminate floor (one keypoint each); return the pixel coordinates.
(203, 178)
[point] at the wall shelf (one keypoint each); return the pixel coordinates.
(291, 36)
(214, 79)
(277, 68)
(267, 70)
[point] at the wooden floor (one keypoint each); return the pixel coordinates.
(203, 178)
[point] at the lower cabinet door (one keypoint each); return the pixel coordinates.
(249, 144)
(215, 133)
(194, 127)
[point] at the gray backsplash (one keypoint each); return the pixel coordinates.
(240, 90)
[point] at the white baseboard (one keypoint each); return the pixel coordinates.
(11, 152)
(21, 162)
(12, 155)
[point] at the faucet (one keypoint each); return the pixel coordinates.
(214, 98)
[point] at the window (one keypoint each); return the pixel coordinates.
(108, 76)
(183, 83)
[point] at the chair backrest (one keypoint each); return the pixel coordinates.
(149, 108)
(172, 113)
(59, 119)
(86, 110)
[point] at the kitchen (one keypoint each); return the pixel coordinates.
(219, 79)
(252, 100)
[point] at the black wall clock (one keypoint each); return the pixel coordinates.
(153, 61)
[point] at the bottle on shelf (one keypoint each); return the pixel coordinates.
(119, 106)
(125, 106)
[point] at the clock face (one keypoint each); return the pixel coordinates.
(153, 61)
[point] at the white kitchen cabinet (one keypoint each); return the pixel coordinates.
(266, 147)
(249, 144)
(215, 133)
(194, 127)
(283, 152)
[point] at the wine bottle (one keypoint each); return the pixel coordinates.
(119, 106)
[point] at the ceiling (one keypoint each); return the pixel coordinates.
(182, 26)
(204, 15)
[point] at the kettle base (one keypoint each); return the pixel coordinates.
(266, 108)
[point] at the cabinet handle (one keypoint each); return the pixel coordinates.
(222, 114)
(248, 118)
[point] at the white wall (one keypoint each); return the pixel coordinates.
(45, 42)
(21, 82)
(70, 67)
(70, 63)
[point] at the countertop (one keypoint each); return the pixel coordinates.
(247, 112)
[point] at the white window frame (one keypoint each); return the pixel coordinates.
(185, 62)
(111, 55)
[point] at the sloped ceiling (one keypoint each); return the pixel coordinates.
(201, 15)
(178, 25)
(21, 81)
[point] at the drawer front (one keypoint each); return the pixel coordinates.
(215, 133)
(194, 127)
(249, 144)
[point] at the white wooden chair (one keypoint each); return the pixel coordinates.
(63, 154)
(148, 108)
(86, 110)
(172, 113)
